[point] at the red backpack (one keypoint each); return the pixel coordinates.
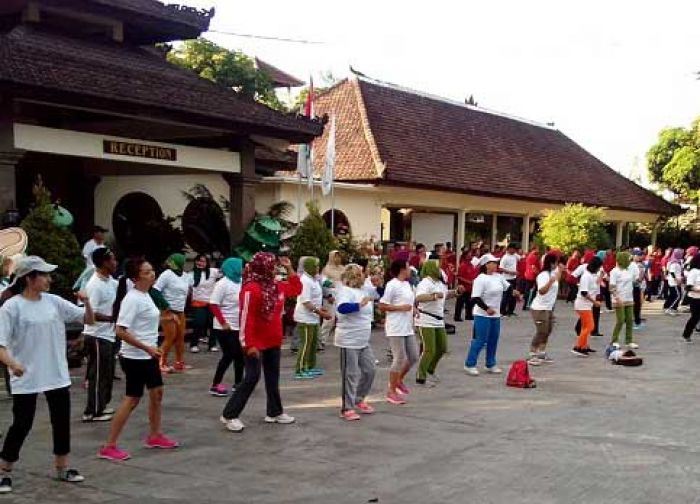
(519, 375)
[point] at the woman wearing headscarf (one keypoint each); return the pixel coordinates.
(352, 334)
(431, 294)
(262, 302)
(674, 279)
(693, 289)
(622, 279)
(203, 278)
(33, 347)
(223, 305)
(175, 286)
(332, 272)
(307, 315)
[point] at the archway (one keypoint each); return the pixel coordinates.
(341, 222)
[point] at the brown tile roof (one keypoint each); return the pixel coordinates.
(171, 12)
(34, 60)
(279, 78)
(428, 142)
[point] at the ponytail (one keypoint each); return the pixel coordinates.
(131, 271)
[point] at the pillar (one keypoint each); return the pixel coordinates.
(9, 159)
(526, 233)
(242, 192)
(459, 243)
(654, 234)
(494, 230)
(619, 228)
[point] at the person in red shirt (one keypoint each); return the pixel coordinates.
(418, 257)
(532, 269)
(448, 264)
(262, 300)
(655, 273)
(466, 275)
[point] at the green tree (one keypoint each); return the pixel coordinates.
(231, 69)
(57, 245)
(267, 232)
(313, 238)
(674, 161)
(574, 226)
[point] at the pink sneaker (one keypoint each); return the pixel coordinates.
(365, 408)
(349, 415)
(219, 390)
(113, 453)
(160, 441)
(403, 389)
(394, 398)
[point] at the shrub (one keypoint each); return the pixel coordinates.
(313, 238)
(574, 226)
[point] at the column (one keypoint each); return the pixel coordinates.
(494, 230)
(9, 159)
(459, 243)
(526, 233)
(619, 228)
(242, 192)
(654, 234)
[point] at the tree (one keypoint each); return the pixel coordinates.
(313, 238)
(267, 231)
(574, 226)
(56, 244)
(674, 161)
(204, 223)
(231, 69)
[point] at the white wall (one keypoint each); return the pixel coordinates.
(432, 228)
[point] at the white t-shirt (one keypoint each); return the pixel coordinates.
(311, 292)
(578, 272)
(396, 293)
(140, 315)
(101, 292)
(677, 269)
(693, 280)
(34, 332)
(203, 291)
(545, 301)
(226, 295)
(174, 288)
(490, 289)
(89, 247)
(353, 330)
(509, 262)
(623, 282)
(430, 286)
(588, 284)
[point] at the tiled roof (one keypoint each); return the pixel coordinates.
(279, 78)
(428, 142)
(32, 59)
(176, 13)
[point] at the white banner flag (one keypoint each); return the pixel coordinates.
(329, 165)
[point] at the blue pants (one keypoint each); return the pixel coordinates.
(486, 332)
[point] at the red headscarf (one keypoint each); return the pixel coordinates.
(261, 270)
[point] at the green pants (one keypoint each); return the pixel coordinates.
(434, 347)
(308, 341)
(625, 316)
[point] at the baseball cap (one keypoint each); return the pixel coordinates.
(27, 264)
(487, 258)
(637, 251)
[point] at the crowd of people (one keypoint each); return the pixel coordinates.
(242, 309)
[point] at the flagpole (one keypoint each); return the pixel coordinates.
(298, 197)
(333, 209)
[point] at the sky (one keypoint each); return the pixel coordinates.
(609, 74)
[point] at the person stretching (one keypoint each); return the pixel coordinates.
(622, 279)
(584, 303)
(308, 314)
(693, 289)
(542, 307)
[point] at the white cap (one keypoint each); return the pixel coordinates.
(487, 258)
(27, 264)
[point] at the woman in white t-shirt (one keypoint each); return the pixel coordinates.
(355, 311)
(202, 278)
(586, 299)
(33, 347)
(542, 307)
(175, 287)
(137, 319)
(693, 288)
(431, 294)
(224, 305)
(622, 279)
(398, 303)
(487, 294)
(674, 278)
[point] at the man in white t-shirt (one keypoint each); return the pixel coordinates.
(97, 241)
(508, 267)
(101, 290)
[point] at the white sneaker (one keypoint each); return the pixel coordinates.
(535, 361)
(281, 419)
(109, 411)
(194, 349)
(232, 424)
(615, 345)
(433, 378)
(472, 371)
(633, 346)
(494, 370)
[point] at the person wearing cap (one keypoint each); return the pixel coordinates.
(33, 347)
(487, 294)
(101, 290)
(508, 268)
(97, 241)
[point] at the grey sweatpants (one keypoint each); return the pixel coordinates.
(404, 351)
(357, 369)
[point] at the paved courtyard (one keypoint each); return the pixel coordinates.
(590, 432)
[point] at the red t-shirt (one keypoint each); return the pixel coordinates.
(532, 266)
(467, 274)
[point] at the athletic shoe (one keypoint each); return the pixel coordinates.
(69, 475)
(579, 351)
(303, 375)
(615, 345)
(638, 327)
(394, 398)
(281, 419)
(435, 378)
(633, 346)
(232, 424)
(5, 483)
(165, 369)
(597, 335)
(113, 453)
(349, 415)
(472, 371)
(535, 361)
(218, 391)
(160, 441)
(494, 370)
(194, 349)
(181, 367)
(104, 417)
(108, 411)
(544, 357)
(316, 371)
(365, 408)
(214, 349)
(687, 340)
(589, 350)
(671, 312)
(403, 389)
